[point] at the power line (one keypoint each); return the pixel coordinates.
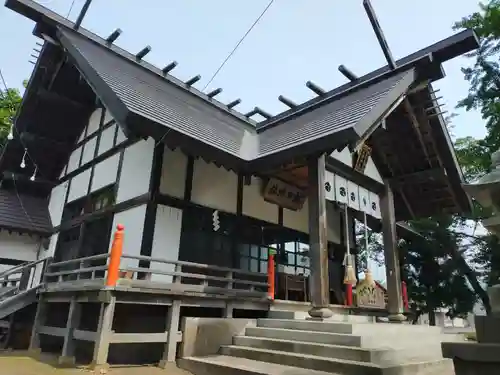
(71, 8)
(239, 43)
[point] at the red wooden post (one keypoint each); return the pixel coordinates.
(270, 275)
(404, 292)
(348, 294)
(115, 257)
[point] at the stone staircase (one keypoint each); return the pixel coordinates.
(343, 345)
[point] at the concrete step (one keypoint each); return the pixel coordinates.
(336, 317)
(306, 325)
(306, 361)
(337, 366)
(367, 329)
(322, 350)
(224, 365)
(305, 336)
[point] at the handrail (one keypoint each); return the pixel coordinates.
(19, 269)
(79, 260)
(194, 265)
(16, 267)
(183, 274)
(28, 278)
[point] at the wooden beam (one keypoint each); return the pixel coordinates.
(425, 121)
(27, 137)
(413, 120)
(415, 177)
(53, 97)
(400, 191)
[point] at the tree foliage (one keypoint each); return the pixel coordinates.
(10, 100)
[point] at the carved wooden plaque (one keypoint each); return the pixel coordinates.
(371, 297)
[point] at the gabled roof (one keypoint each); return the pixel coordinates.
(24, 213)
(412, 152)
(129, 90)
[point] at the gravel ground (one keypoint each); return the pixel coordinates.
(12, 363)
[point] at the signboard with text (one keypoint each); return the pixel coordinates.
(284, 195)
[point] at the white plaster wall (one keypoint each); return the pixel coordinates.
(56, 203)
(299, 220)
(89, 150)
(136, 170)
(107, 138)
(19, 247)
(79, 185)
(105, 172)
(214, 187)
(166, 240)
(254, 204)
(74, 160)
(133, 221)
(345, 157)
(93, 125)
(173, 177)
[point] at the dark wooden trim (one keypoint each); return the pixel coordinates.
(11, 262)
(239, 195)
(336, 166)
(280, 215)
(188, 186)
(115, 136)
(120, 207)
(119, 172)
(96, 149)
(239, 212)
(102, 128)
(100, 158)
(151, 209)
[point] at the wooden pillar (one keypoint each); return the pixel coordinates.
(40, 318)
(101, 345)
(318, 240)
(68, 351)
(392, 269)
(170, 350)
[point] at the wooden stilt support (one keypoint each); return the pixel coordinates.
(101, 346)
(68, 352)
(40, 317)
(170, 351)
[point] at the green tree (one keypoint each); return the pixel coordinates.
(10, 100)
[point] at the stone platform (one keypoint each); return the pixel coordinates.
(283, 344)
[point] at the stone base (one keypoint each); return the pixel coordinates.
(473, 358)
(475, 368)
(66, 361)
(396, 318)
(487, 329)
(320, 313)
(99, 368)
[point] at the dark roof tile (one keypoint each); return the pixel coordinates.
(154, 98)
(24, 213)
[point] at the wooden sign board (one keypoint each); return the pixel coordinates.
(284, 195)
(370, 297)
(362, 158)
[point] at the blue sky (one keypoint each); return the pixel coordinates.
(296, 41)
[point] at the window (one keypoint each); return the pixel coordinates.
(296, 258)
(91, 237)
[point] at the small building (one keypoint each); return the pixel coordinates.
(206, 193)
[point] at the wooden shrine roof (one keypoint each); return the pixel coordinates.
(413, 152)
